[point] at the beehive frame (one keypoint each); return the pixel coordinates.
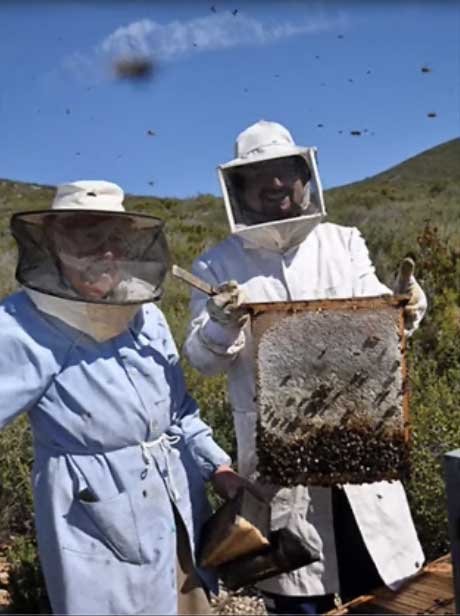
(331, 390)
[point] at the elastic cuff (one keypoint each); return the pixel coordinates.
(219, 335)
(209, 467)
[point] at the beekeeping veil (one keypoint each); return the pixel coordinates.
(89, 262)
(262, 142)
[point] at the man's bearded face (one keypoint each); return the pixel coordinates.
(274, 189)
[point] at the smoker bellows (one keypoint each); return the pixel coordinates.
(331, 385)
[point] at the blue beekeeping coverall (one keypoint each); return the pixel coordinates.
(118, 443)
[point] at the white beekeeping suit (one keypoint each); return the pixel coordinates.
(293, 257)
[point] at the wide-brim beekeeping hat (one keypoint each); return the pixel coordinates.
(263, 141)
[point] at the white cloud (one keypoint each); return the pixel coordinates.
(166, 42)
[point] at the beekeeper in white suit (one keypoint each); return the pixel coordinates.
(280, 250)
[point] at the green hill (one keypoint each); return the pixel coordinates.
(390, 208)
(442, 161)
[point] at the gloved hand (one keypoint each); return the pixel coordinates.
(227, 482)
(405, 284)
(225, 307)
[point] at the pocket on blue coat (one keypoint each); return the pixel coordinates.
(115, 522)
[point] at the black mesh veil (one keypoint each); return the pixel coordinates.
(92, 256)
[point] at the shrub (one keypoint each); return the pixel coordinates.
(437, 187)
(15, 487)
(26, 584)
(435, 373)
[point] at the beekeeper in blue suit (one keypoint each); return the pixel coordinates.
(121, 454)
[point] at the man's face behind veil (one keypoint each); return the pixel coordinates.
(273, 189)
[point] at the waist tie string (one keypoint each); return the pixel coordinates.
(165, 443)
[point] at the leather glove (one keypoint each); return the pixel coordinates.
(227, 482)
(405, 284)
(225, 307)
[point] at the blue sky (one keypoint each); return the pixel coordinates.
(345, 65)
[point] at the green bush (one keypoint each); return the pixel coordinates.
(15, 487)
(26, 584)
(437, 187)
(435, 375)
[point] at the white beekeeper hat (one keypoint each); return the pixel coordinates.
(90, 195)
(264, 141)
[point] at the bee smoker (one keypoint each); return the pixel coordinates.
(236, 541)
(285, 553)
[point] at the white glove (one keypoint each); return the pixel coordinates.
(405, 284)
(225, 307)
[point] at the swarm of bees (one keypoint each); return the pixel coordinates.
(134, 68)
(352, 453)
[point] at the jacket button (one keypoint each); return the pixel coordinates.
(417, 564)
(144, 493)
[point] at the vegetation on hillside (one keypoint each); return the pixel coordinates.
(410, 209)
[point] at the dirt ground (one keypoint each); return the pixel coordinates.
(237, 603)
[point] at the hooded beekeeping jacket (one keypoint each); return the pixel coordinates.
(120, 449)
(331, 262)
(299, 258)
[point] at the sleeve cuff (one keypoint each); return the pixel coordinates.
(220, 336)
(209, 466)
